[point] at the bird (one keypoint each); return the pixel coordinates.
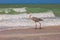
(35, 19)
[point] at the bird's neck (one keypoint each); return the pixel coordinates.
(30, 16)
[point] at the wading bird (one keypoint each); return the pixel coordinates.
(35, 19)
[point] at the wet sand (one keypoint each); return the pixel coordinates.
(46, 33)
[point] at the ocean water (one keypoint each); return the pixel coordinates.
(26, 23)
(29, 1)
(8, 22)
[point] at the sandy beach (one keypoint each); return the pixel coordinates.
(46, 33)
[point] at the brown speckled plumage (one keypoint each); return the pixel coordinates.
(36, 19)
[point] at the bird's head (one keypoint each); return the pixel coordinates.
(30, 15)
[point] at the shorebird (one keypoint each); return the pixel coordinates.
(35, 19)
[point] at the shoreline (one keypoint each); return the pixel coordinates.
(48, 33)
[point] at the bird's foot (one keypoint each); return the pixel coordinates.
(35, 28)
(40, 28)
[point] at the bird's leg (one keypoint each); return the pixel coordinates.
(35, 25)
(40, 25)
